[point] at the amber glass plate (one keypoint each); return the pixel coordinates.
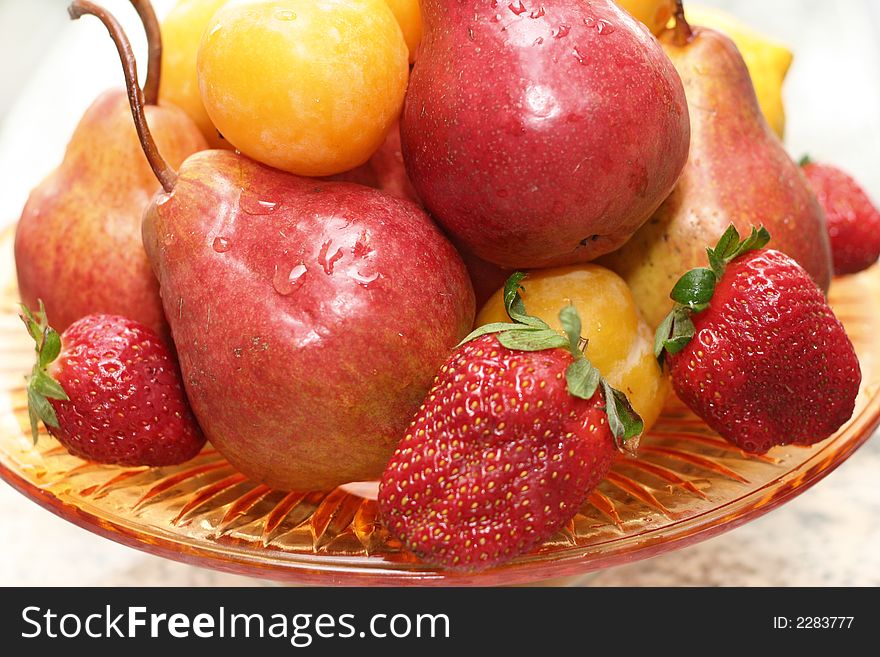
(686, 485)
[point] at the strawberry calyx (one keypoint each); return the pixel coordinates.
(529, 333)
(694, 290)
(41, 386)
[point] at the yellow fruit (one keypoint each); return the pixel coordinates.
(311, 87)
(767, 61)
(409, 17)
(653, 13)
(181, 32)
(621, 345)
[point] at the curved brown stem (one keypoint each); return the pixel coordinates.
(166, 175)
(683, 31)
(145, 10)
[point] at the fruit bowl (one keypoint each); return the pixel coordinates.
(687, 485)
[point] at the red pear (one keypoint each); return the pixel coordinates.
(541, 133)
(78, 243)
(384, 170)
(738, 173)
(309, 317)
(486, 278)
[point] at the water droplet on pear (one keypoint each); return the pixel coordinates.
(329, 256)
(256, 206)
(364, 279)
(287, 281)
(604, 28)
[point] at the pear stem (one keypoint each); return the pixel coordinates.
(683, 31)
(167, 176)
(145, 10)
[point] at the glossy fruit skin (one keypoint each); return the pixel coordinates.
(309, 316)
(384, 170)
(78, 242)
(620, 343)
(738, 172)
(182, 30)
(127, 404)
(409, 16)
(499, 458)
(308, 87)
(853, 220)
(486, 278)
(768, 61)
(581, 133)
(770, 364)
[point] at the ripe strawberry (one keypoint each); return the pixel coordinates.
(754, 349)
(114, 395)
(512, 437)
(853, 221)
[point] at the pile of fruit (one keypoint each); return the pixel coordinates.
(279, 244)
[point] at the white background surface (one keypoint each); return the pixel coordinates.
(828, 536)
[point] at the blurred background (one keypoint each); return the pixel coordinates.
(52, 69)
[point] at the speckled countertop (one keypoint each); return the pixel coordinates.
(828, 536)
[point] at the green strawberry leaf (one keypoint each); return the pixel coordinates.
(730, 247)
(41, 386)
(516, 310)
(528, 333)
(33, 326)
(34, 419)
(571, 323)
(805, 160)
(716, 263)
(661, 335)
(582, 379)
(683, 330)
(50, 347)
(682, 326)
(512, 299)
(756, 240)
(514, 304)
(675, 331)
(694, 290)
(694, 287)
(626, 425)
(727, 243)
(42, 407)
(532, 340)
(674, 345)
(45, 385)
(495, 327)
(41, 314)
